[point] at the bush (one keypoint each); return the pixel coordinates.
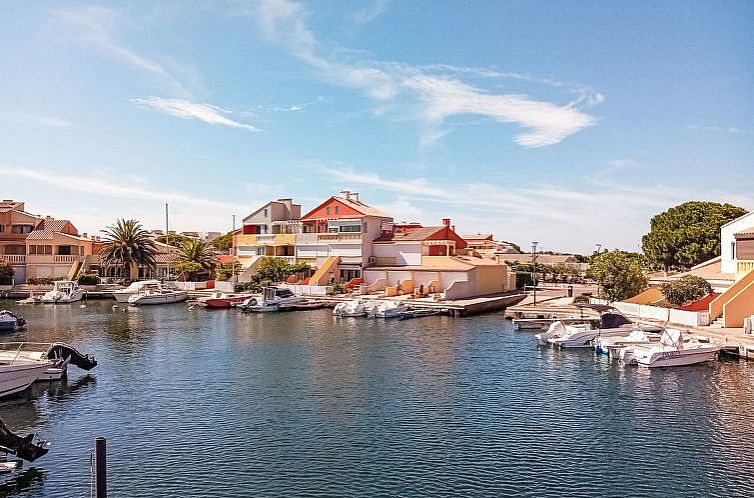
(523, 280)
(581, 299)
(6, 273)
(336, 289)
(686, 290)
(88, 279)
(43, 280)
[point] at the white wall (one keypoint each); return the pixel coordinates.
(727, 238)
(404, 254)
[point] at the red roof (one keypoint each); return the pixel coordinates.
(347, 208)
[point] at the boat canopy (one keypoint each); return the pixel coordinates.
(672, 338)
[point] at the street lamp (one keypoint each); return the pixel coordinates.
(534, 262)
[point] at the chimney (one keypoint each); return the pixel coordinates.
(355, 196)
(85, 235)
(453, 228)
(446, 222)
(346, 194)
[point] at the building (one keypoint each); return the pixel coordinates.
(56, 249)
(15, 226)
(337, 237)
(484, 245)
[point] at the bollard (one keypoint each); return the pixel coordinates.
(100, 460)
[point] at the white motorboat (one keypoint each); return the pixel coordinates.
(671, 351)
(356, 307)
(389, 309)
(122, 295)
(55, 355)
(612, 345)
(10, 321)
(612, 323)
(64, 291)
(18, 374)
(158, 295)
(272, 299)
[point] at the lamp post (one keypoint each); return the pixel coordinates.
(534, 262)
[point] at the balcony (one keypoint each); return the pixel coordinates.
(265, 240)
(743, 267)
(13, 258)
(354, 238)
(52, 259)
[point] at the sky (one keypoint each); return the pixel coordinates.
(566, 123)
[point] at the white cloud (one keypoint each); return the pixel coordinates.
(97, 26)
(185, 109)
(729, 129)
(435, 92)
(370, 12)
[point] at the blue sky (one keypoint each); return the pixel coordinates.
(569, 123)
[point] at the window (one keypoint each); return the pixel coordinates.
(64, 250)
(21, 229)
(733, 250)
(327, 210)
(265, 212)
(350, 228)
(2, 228)
(337, 209)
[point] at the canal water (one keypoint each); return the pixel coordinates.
(198, 403)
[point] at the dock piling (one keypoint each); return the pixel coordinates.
(100, 461)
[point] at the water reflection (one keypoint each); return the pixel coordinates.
(29, 480)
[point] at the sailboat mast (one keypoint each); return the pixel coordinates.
(167, 239)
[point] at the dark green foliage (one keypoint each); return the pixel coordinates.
(225, 271)
(88, 279)
(43, 280)
(193, 258)
(174, 239)
(336, 289)
(277, 270)
(618, 274)
(126, 243)
(223, 242)
(6, 273)
(685, 290)
(687, 234)
(581, 299)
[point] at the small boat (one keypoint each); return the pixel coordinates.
(671, 351)
(272, 299)
(160, 295)
(64, 291)
(389, 309)
(18, 374)
(356, 307)
(612, 345)
(221, 300)
(422, 313)
(303, 306)
(55, 355)
(10, 321)
(32, 299)
(122, 295)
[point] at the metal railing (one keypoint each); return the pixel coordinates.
(13, 258)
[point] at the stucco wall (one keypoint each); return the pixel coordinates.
(728, 264)
(404, 254)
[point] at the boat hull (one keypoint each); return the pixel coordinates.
(676, 358)
(17, 377)
(122, 297)
(156, 299)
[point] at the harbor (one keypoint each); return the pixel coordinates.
(307, 403)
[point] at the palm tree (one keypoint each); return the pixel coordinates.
(128, 245)
(194, 256)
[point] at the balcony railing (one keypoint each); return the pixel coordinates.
(66, 259)
(339, 237)
(743, 267)
(13, 258)
(265, 239)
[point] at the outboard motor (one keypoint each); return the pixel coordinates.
(83, 361)
(23, 447)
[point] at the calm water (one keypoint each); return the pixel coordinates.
(198, 403)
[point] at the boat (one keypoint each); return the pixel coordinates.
(159, 295)
(389, 309)
(272, 299)
(122, 295)
(55, 355)
(611, 323)
(422, 313)
(10, 321)
(221, 300)
(611, 346)
(303, 306)
(64, 291)
(18, 374)
(356, 307)
(32, 299)
(671, 351)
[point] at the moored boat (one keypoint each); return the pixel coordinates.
(122, 295)
(9, 321)
(389, 309)
(18, 374)
(160, 295)
(64, 291)
(221, 300)
(55, 355)
(272, 299)
(671, 351)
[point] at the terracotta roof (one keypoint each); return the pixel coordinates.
(477, 236)
(747, 231)
(709, 270)
(417, 234)
(543, 259)
(49, 234)
(52, 224)
(364, 209)
(452, 263)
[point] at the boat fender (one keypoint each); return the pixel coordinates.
(253, 301)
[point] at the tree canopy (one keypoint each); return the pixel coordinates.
(686, 289)
(687, 234)
(223, 242)
(174, 239)
(618, 274)
(194, 257)
(6, 273)
(127, 243)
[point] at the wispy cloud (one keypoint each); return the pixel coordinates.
(185, 109)
(98, 27)
(35, 119)
(434, 93)
(370, 12)
(721, 129)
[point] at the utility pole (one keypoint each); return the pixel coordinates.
(233, 253)
(534, 262)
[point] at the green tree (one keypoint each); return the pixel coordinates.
(174, 239)
(127, 244)
(194, 257)
(618, 274)
(686, 289)
(687, 234)
(277, 269)
(6, 273)
(223, 242)
(225, 271)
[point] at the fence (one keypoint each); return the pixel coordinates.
(670, 315)
(306, 290)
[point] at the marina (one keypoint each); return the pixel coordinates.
(343, 406)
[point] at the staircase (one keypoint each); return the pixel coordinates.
(251, 269)
(719, 323)
(320, 276)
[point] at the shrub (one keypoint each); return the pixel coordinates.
(6, 273)
(88, 279)
(581, 299)
(336, 289)
(43, 280)
(686, 290)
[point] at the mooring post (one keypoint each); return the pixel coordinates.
(100, 461)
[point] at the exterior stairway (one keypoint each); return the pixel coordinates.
(320, 276)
